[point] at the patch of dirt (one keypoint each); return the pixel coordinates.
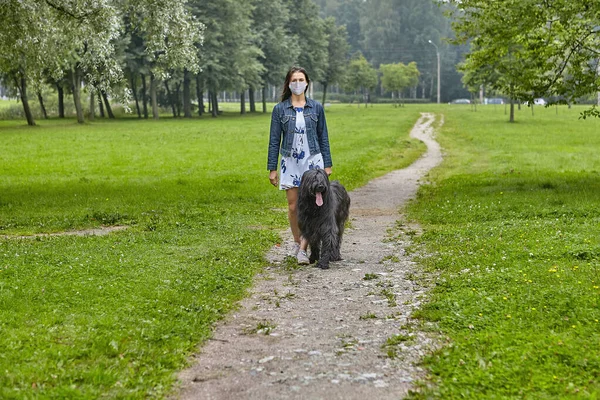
(306, 333)
(103, 230)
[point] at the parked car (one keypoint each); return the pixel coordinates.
(494, 100)
(460, 101)
(538, 102)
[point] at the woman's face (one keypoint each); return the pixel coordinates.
(298, 77)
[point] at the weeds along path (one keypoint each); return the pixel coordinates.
(343, 333)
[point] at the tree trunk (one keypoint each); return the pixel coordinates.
(153, 84)
(135, 96)
(512, 110)
(170, 97)
(107, 105)
(210, 103)
(41, 100)
(92, 105)
(144, 96)
(177, 98)
(100, 105)
(187, 99)
(200, 96)
(76, 87)
(215, 105)
(324, 93)
(22, 85)
(252, 100)
(243, 102)
(61, 100)
(264, 99)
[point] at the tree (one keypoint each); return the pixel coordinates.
(337, 51)
(398, 77)
(398, 30)
(394, 78)
(80, 40)
(346, 13)
(413, 74)
(172, 34)
(229, 55)
(391, 31)
(25, 51)
(309, 33)
(270, 22)
(360, 76)
(531, 48)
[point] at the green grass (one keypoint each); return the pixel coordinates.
(116, 316)
(512, 226)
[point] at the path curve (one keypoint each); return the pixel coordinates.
(300, 334)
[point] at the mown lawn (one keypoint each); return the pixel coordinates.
(116, 316)
(512, 229)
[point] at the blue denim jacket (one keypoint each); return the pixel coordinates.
(283, 122)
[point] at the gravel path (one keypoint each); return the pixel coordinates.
(306, 333)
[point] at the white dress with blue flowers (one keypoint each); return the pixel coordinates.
(301, 160)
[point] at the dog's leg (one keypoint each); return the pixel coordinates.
(336, 251)
(314, 251)
(328, 248)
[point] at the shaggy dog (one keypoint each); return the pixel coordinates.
(323, 208)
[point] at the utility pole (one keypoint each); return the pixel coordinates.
(437, 51)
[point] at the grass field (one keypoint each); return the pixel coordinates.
(116, 316)
(512, 230)
(511, 227)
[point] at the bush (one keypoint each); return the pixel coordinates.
(15, 110)
(359, 98)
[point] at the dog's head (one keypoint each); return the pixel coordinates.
(315, 183)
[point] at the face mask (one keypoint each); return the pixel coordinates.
(297, 87)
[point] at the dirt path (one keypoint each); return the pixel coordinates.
(102, 231)
(300, 334)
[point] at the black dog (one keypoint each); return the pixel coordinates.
(323, 208)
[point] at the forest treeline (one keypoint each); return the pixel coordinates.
(186, 55)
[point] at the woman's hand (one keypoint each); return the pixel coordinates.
(274, 178)
(327, 170)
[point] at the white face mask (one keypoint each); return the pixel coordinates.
(297, 87)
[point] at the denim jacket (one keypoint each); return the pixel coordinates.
(283, 123)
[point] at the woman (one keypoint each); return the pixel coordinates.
(299, 135)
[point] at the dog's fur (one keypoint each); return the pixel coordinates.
(322, 225)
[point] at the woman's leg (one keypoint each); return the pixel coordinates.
(292, 199)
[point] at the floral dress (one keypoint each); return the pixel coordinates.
(301, 160)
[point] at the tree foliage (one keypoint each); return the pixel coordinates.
(398, 77)
(157, 50)
(79, 39)
(360, 76)
(308, 31)
(337, 51)
(392, 31)
(531, 48)
(346, 13)
(271, 19)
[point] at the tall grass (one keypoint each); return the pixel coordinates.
(512, 228)
(115, 316)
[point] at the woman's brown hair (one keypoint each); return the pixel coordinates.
(286, 92)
